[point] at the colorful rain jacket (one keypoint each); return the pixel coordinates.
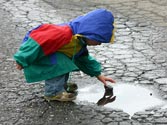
(51, 50)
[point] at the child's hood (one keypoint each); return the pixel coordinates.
(96, 25)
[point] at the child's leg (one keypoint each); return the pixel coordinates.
(55, 85)
(66, 77)
(70, 87)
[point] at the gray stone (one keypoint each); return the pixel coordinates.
(113, 123)
(161, 81)
(162, 120)
(125, 123)
(107, 120)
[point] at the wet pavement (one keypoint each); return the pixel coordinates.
(138, 57)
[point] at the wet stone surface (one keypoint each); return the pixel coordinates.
(138, 56)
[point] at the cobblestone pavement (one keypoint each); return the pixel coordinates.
(138, 56)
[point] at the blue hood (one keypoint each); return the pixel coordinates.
(96, 25)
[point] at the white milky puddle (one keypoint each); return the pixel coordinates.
(130, 98)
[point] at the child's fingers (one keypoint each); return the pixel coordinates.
(19, 67)
(111, 80)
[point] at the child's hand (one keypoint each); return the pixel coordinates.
(103, 79)
(19, 67)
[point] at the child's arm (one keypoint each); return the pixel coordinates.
(88, 65)
(28, 53)
(103, 79)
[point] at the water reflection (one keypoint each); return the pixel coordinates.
(108, 96)
(128, 97)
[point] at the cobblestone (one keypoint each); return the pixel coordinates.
(139, 55)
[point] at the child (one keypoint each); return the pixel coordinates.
(50, 52)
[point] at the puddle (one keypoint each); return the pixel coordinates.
(130, 98)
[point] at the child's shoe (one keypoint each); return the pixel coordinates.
(62, 97)
(71, 87)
